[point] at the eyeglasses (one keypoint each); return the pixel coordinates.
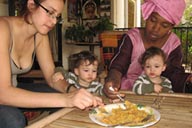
(49, 13)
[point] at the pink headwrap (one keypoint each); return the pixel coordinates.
(171, 10)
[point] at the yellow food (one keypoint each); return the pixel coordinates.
(121, 115)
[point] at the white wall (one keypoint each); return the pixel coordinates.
(70, 49)
(4, 9)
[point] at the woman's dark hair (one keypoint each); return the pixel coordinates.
(75, 60)
(151, 52)
(21, 7)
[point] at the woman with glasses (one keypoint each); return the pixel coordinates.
(21, 39)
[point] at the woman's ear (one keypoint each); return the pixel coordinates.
(31, 5)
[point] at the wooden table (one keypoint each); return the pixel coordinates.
(175, 110)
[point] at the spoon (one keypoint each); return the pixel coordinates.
(112, 89)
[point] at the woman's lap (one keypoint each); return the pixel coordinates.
(13, 117)
(36, 87)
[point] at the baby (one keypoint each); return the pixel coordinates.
(83, 74)
(153, 62)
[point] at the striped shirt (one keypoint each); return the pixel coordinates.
(94, 87)
(144, 85)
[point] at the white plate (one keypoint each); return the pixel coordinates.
(95, 117)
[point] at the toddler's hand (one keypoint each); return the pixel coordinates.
(157, 88)
(57, 76)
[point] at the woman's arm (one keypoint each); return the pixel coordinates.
(45, 60)
(118, 66)
(122, 56)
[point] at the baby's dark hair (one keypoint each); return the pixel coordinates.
(75, 60)
(151, 52)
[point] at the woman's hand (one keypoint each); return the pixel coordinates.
(83, 99)
(109, 93)
(113, 80)
(112, 94)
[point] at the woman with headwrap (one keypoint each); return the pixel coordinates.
(161, 16)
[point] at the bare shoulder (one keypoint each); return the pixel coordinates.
(41, 39)
(5, 31)
(4, 24)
